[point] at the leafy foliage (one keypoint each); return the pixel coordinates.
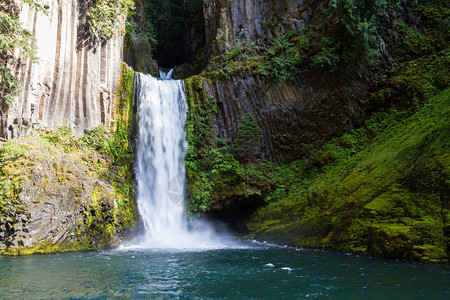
(97, 138)
(63, 139)
(10, 86)
(13, 36)
(282, 57)
(241, 58)
(288, 49)
(354, 37)
(422, 63)
(211, 168)
(105, 17)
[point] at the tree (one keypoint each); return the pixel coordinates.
(247, 144)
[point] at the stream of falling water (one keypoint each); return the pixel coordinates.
(161, 147)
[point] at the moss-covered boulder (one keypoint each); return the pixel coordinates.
(60, 198)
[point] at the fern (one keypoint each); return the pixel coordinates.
(357, 39)
(283, 57)
(13, 37)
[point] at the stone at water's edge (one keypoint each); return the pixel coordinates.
(53, 201)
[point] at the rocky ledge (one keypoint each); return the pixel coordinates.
(60, 197)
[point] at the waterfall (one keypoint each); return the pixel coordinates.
(160, 172)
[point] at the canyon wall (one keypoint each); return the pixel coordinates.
(314, 105)
(229, 21)
(308, 109)
(73, 81)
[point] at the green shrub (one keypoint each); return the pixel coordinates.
(97, 138)
(283, 57)
(62, 138)
(105, 17)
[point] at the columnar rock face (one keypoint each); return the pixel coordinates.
(229, 21)
(74, 79)
(308, 109)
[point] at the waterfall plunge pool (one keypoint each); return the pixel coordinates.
(255, 270)
(171, 261)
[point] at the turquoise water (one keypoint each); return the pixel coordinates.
(257, 271)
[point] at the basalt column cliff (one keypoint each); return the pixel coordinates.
(74, 78)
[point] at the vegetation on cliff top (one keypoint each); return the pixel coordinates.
(105, 18)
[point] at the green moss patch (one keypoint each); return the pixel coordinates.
(391, 199)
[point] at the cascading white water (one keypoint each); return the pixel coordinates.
(161, 147)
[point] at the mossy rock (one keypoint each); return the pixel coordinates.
(58, 201)
(390, 200)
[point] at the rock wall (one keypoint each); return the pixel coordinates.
(73, 80)
(312, 107)
(306, 110)
(229, 21)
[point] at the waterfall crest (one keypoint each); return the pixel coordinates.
(160, 172)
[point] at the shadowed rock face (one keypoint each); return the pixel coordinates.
(306, 110)
(230, 21)
(74, 79)
(309, 109)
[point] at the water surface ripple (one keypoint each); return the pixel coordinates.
(256, 271)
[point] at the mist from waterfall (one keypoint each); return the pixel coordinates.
(160, 171)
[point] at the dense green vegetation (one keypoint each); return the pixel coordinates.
(107, 17)
(277, 61)
(390, 199)
(354, 38)
(217, 171)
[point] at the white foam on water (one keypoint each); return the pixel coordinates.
(160, 171)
